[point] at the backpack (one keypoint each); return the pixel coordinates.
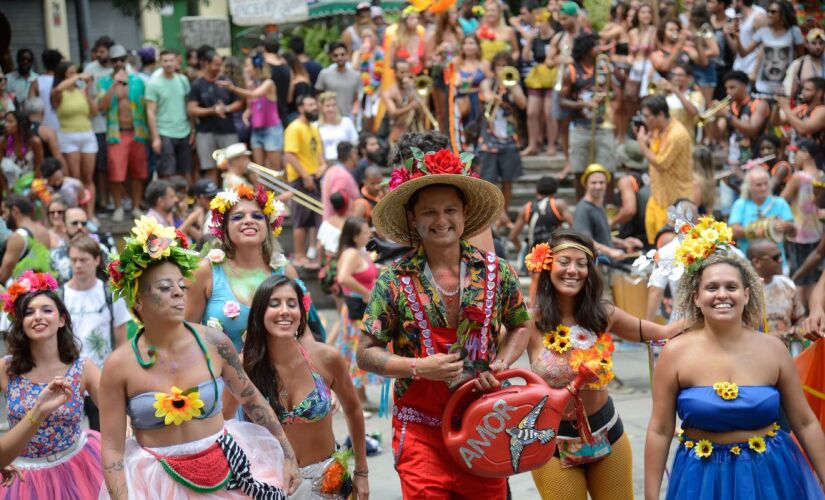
(541, 222)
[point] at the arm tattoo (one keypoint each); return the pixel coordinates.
(373, 359)
(113, 467)
(227, 352)
(264, 416)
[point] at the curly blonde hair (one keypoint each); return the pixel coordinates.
(689, 286)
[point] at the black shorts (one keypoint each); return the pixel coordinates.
(303, 217)
(503, 165)
(796, 254)
(175, 157)
(102, 158)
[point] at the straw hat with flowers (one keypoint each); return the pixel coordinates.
(484, 200)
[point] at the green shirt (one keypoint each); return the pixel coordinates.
(389, 318)
(170, 94)
(136, 105)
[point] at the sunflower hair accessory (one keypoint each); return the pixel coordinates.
(696, 243)
(223, 202)
(150, 242)
(28, 282)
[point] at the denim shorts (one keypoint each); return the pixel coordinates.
(705, 76)
(268, 138)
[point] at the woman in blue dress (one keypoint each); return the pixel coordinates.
(726, 381)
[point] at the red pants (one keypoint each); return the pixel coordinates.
(428, 472)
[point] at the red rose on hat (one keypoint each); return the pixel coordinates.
(443, 162)
(114, 273)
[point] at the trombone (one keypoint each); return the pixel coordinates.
(271, 179)
(422, 88)
(709, 114)
(508, 77)
(602, 87)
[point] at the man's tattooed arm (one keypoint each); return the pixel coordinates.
(372, 356)
(253, 402)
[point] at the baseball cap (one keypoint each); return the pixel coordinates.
(569, 8)
(816, 33)
(363, 6)
(204, 187)
(376, 11)
(117, 51)
(147, 55)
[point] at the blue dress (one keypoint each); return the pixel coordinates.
(763, 468)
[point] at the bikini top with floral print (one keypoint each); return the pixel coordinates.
(566, 347)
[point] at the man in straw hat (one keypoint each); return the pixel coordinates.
(442, 306)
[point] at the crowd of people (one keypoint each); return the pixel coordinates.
(688, 145)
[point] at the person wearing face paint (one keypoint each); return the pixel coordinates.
(62, 460)
(569, 326)
(443, 306)
(726, 380)
(246, 223)
(168, 380)
(297, 377)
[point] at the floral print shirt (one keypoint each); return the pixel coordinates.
(62, 428)
(389, 318)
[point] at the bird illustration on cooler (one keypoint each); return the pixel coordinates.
(526, 433)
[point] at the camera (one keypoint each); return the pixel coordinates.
(638, 121)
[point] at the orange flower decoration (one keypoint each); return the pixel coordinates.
(245, 191)
(539, 259)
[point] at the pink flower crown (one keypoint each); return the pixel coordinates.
(28, 282)
(223, 202)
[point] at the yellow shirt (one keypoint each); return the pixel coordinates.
(73, 112)
(304, 141)
(674, 177)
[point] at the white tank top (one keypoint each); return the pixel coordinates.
(746, 32)
(44, 87)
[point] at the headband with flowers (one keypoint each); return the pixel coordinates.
(150, 242)
(225, 200)
(541, 257)
(696, 243)
(442, 161)
(28, 282)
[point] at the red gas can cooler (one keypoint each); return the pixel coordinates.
(508, 431)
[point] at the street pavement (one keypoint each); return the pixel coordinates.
(631, 366)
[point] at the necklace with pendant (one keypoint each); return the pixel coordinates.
(448, 296)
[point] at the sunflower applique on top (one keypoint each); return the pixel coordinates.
(726, 390)
(179, 406)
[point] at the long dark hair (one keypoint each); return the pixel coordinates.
(60, 72)
(17, 342)
(23, 135)
(591, 311)
(352, 226)
(255, 350)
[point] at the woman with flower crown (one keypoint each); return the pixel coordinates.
(62, 460)
(726, 381)
(246, 222)
(568, 328)
(169, 381)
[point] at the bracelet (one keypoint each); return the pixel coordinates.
(33, 421)
(415, 373)
(362, 473)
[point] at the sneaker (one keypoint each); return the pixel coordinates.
(136, 213)
(312, 252)
(118, 215)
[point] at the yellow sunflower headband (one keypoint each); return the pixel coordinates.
(150, 242)
(541, 257)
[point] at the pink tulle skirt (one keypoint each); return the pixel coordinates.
(146, 478)
(76, 474)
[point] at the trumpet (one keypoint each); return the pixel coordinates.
(709, 114)
(271, 179)
(654, 88)
(508, 78)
